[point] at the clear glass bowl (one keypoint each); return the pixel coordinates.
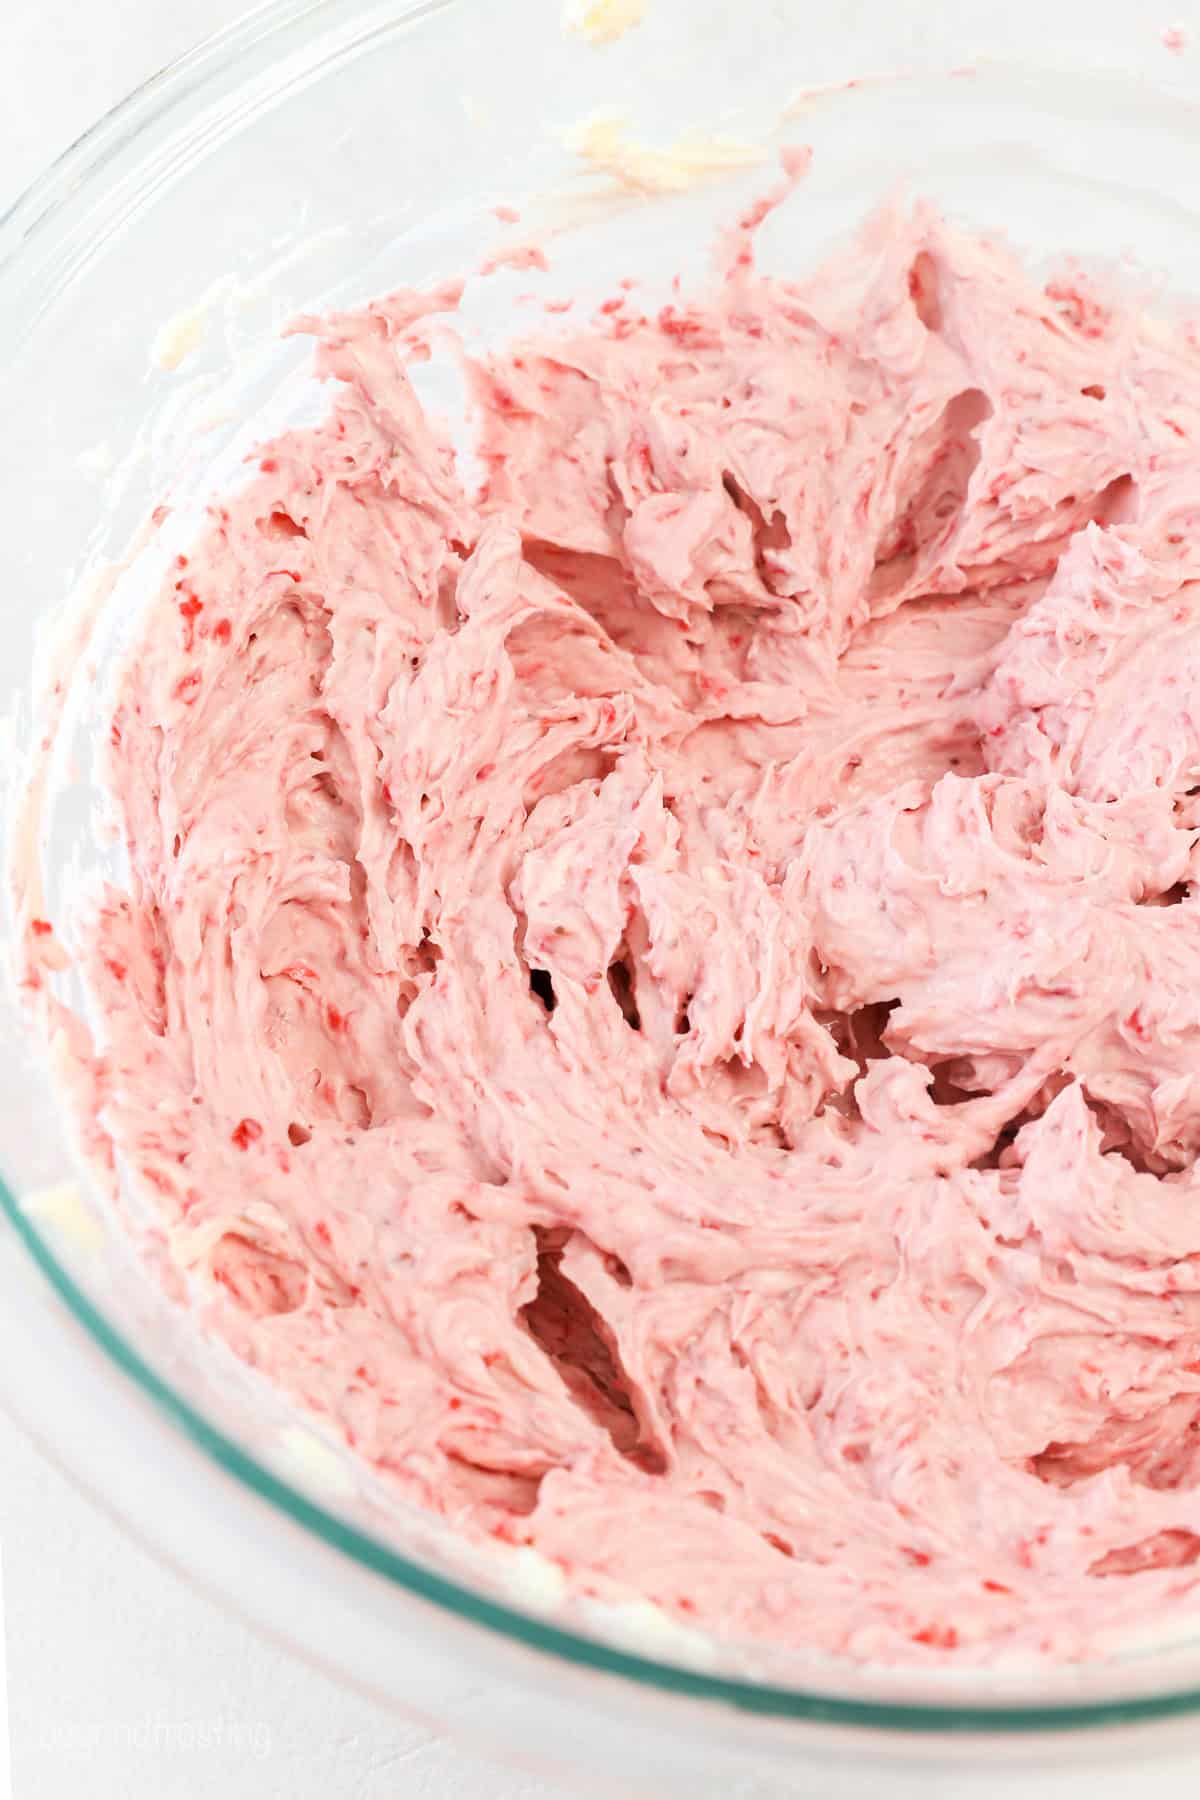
(320, 152)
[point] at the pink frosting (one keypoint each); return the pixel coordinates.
(662, 997)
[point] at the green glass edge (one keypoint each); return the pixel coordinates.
(109, 133)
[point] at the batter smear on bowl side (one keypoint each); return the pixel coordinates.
(661, 997)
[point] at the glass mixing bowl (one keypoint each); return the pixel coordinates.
(323, 151)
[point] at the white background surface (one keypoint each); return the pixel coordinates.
(116, 1669)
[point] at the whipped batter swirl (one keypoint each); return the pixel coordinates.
(662, 997)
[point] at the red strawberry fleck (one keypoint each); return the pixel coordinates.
(939, 1637)
(40, 927)
(189, 610)
(245, 1133)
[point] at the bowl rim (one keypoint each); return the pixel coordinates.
(32, 214)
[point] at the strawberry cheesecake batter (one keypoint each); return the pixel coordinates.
(659, 994)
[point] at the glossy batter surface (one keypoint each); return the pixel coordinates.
(662, 997)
